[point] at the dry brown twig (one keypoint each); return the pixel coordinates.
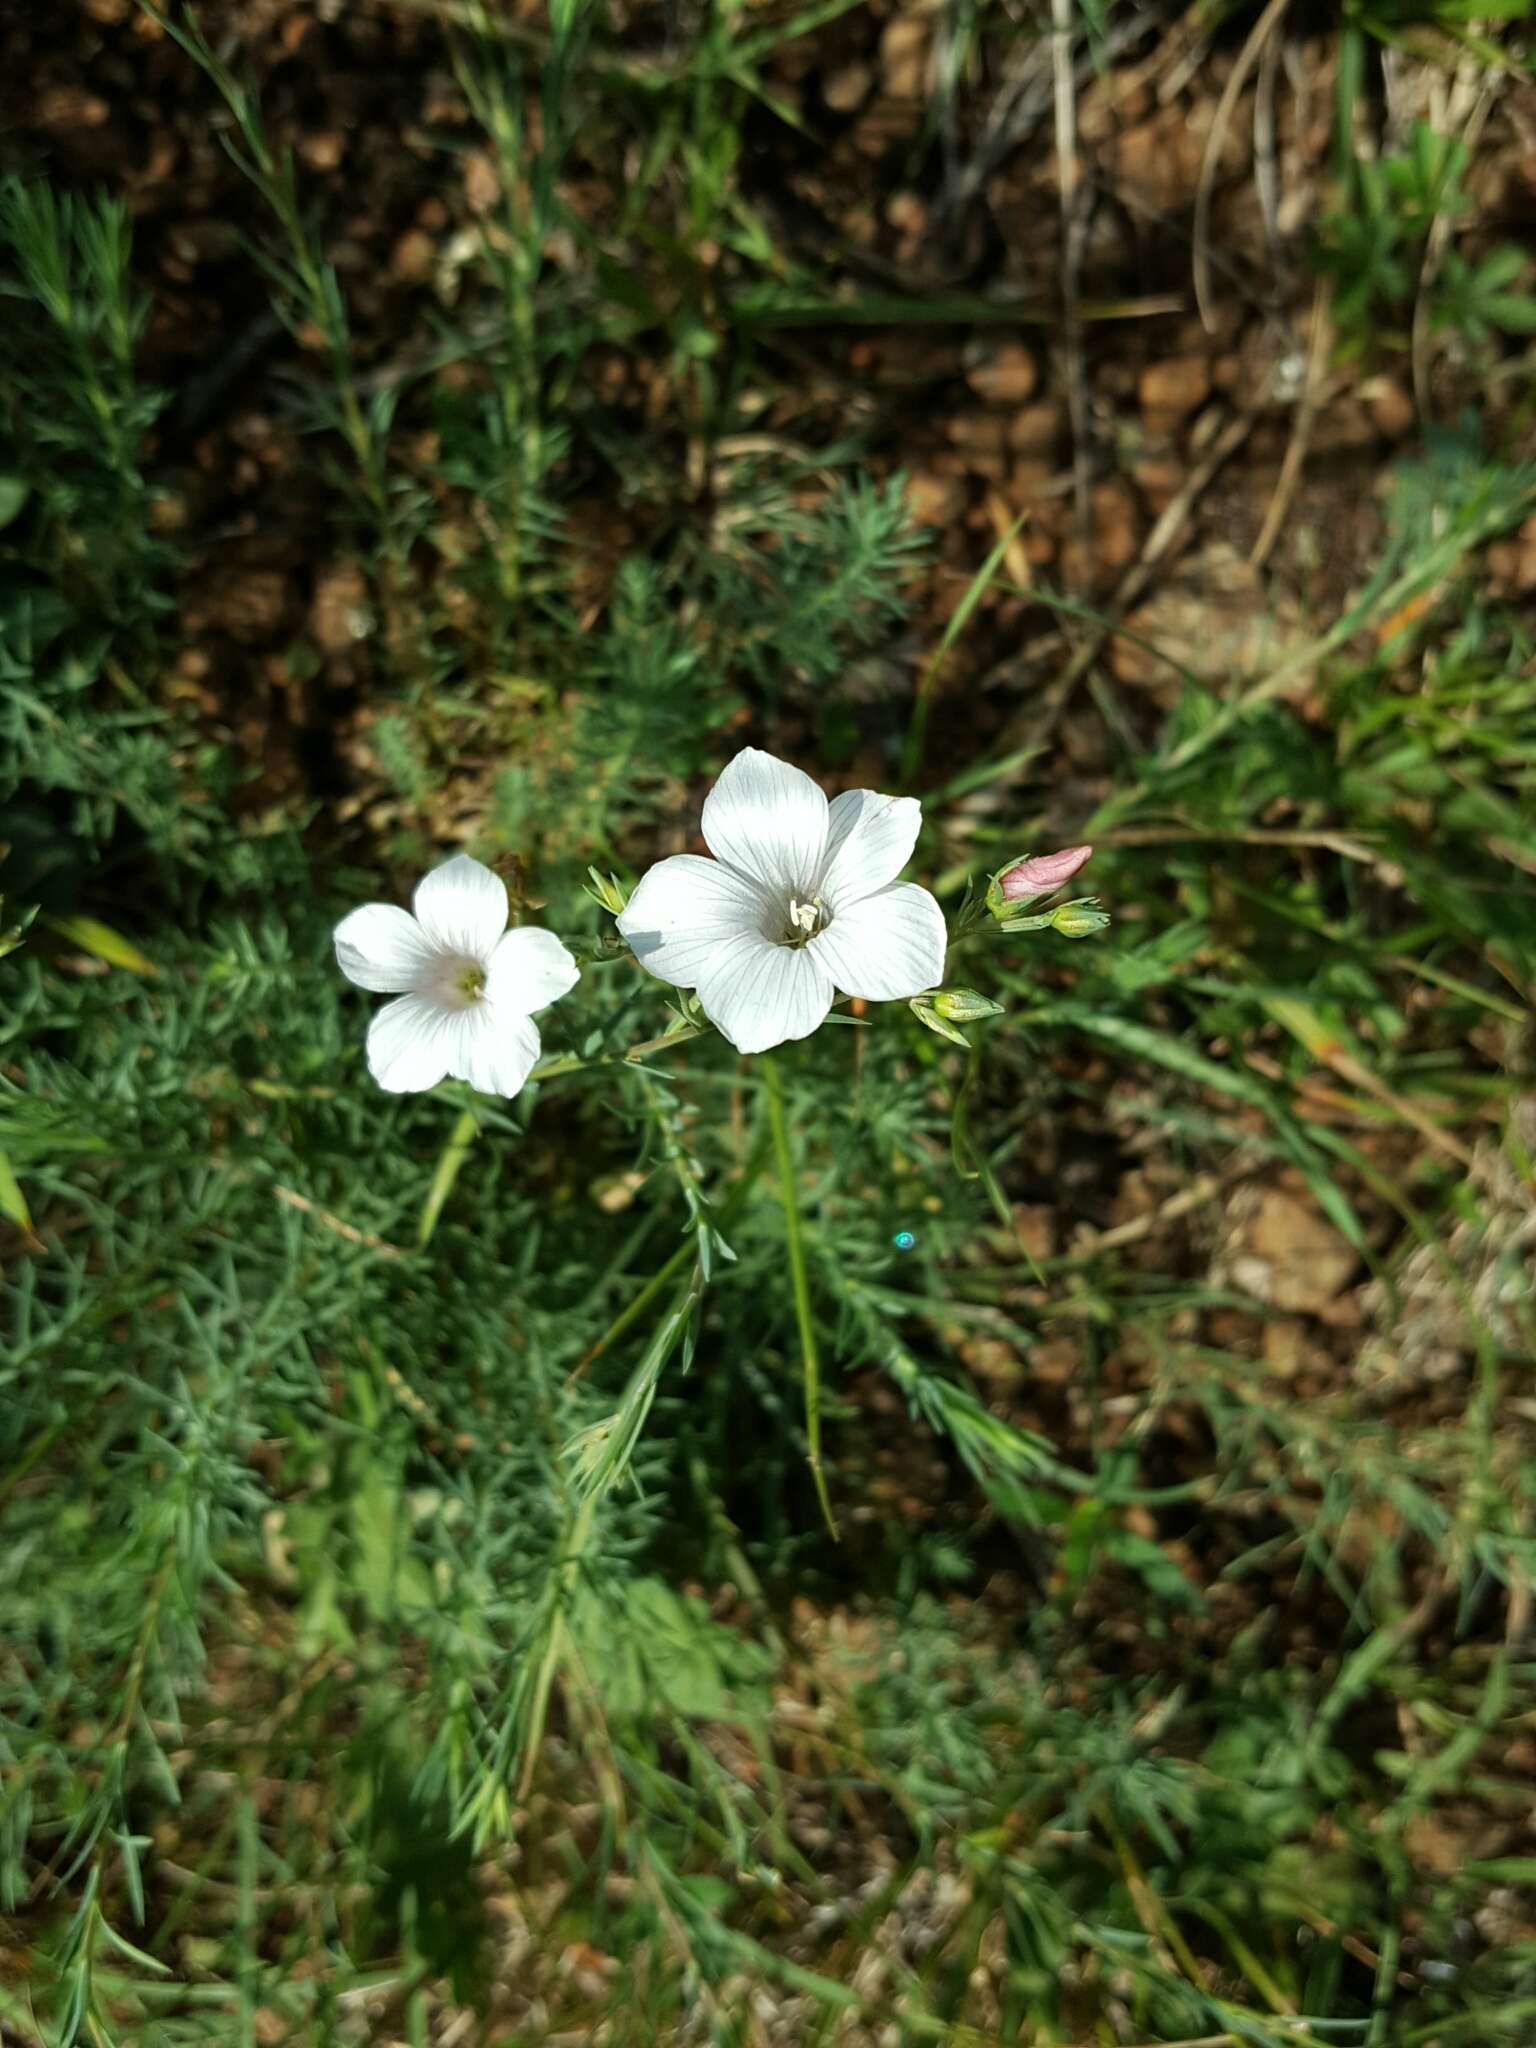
(1248, 56)
(1266, 162)
(1073, 192)
(1307, 405)
(294, 1200)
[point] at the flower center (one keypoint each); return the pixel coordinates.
(805, 920)
(457, 982)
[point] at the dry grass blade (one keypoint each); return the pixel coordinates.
(1073, 193)
(1249, 55)
(1319, 346)
(292, 1199)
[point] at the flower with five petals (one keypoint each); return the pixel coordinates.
(800, 901)
(464, 986)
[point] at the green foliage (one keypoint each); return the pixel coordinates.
(414, 1590)
(1373, 247)
(83, 576)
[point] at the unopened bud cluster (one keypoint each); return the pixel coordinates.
(1034, 876)
(1024, 880)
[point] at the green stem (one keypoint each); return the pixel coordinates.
(635, 1308)
(800, 1284)
(573, 1063)
(454, 1154)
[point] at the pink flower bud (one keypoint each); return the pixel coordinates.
(1041, 871)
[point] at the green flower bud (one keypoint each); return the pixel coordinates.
(11, 936)
(963, 1005)
(923, 1010)
(1079, 920)
(608, 891)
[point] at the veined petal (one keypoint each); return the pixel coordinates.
(528, 969)
(870, 841)
(410, 1043)
(767, 820)
(494, 1048)
(758, 993)
(886, 946)
(1041, 871)
(685, 909)
(462, 907)
(383, 948)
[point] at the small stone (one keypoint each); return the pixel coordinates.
(1228, 372)
(61, 109)
(1159, 478)
(1512, 565)
(1284, 1346)
(1391, 407)
(413, 256)
(1293, 1257)
(935, 500)
(482, 185)
(978, 431)
(1159, 160)
(904, 45)
(1038, 429)
(846, 89)
(323, 151)
(340, 614)
(1004, 376)
(1172, 390)
(1030, 479)
(168, 513)
(907, 213)
(1056, 1361)
(1116, 524)
(1035, 1223)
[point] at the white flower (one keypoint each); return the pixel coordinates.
(801, 900)
(466, 986)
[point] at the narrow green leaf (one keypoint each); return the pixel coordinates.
(13, 1202)
(100, 940)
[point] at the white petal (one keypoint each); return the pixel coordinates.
(494, 1048)
(768, 821)
(685, 909)
(410, 1043)
(462, 906)
(383, 948)
(886, 946)
(869, 843)
(528, 969)
(758, 993)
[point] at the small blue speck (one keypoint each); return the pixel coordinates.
(904, 1240)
